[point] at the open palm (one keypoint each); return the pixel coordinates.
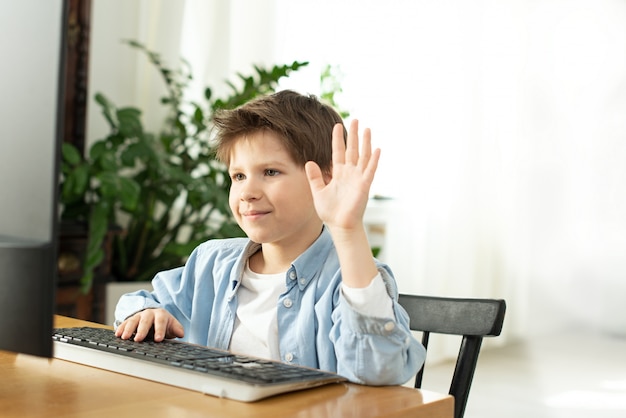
(341, 200)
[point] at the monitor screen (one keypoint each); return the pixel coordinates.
(31, 105)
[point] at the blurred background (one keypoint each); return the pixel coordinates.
(502, 126)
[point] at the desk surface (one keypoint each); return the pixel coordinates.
(39, 387)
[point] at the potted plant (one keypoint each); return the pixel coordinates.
(155, 196)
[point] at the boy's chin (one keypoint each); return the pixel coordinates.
(256, 236)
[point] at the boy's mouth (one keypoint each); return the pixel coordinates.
(254, 214)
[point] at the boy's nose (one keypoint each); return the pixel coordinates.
(249, 191)
(246, 196)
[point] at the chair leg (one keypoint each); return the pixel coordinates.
(420, 374)
(464, 373)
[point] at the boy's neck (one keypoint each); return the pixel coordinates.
(262, 262)
(275, 258)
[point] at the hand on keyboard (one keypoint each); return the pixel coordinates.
(156, 323)
(191, 366)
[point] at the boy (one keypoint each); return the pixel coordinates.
(303, 287)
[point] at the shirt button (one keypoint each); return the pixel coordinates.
(292, 275)
(389, 326)
(289, 357)
(302, 282)
(287, 303)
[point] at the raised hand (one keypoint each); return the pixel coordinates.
(340, 201)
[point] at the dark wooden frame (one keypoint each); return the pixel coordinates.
(77, 71)
(70, 300)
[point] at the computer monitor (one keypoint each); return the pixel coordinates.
(31, 105)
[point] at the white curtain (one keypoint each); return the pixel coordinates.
(503, 132)
(502, 126)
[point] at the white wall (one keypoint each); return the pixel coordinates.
(501, 126)
(117, 70)
(30, 48)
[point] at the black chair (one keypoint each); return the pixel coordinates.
(472, 319)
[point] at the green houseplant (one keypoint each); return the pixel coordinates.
(166, 192)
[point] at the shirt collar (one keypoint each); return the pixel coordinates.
(307, 266)
(236, 274)
(304, 269)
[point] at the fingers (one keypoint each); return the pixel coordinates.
(372, 165)
(338, 145)
(143, 327)
(175, 329)
(150, 323)
(366, 149)
(352, 143)
(167, 327)
(127, 328)
(366, 159)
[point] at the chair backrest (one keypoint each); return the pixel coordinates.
(472, 319)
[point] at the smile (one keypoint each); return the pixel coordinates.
(254, 214)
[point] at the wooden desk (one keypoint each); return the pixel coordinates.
(39, 387)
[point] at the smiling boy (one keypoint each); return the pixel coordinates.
(303, 286)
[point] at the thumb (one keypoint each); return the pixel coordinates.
(314, 175)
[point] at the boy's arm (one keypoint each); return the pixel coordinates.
(340, 202)
(160, 311)
(355, 257)
(368, 300)
(372, 345)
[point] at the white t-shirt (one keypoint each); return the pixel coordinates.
(256, 325)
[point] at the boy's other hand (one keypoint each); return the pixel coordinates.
(158, 320)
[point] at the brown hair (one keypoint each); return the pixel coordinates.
(303, 123)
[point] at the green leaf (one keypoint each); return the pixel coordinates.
(131, 154)
(107, 161)
(129, 122)
(98, 227)
(75, 184)
(98, 224)
(97, 149)
(198, 115)
(134, 44)
(87, 280)
(108, 184)
(129, 192)
(94, 259)
(180, 250)
(108, 109)
(229, 230)
(70, 153)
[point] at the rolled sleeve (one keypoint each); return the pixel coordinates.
(375, 350)
(131, 303)
(372, 300)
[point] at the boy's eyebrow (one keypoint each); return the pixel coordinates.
(268, 163)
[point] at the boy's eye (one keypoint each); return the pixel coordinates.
(237, 177)
(271, 172)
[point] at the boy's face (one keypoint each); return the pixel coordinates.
(270, 195)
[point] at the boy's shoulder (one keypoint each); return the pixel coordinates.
(221, 249)
(225, 244)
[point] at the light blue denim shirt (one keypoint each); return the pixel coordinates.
(317, 327)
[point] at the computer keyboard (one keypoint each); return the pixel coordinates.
(203, 369)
